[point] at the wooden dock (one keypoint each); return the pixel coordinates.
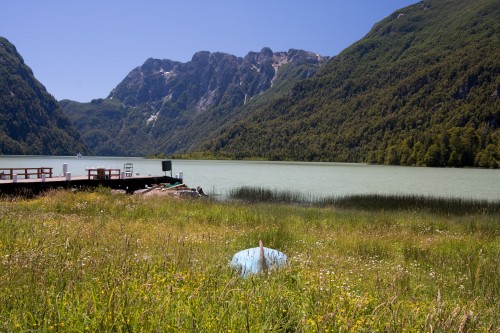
(111, 178)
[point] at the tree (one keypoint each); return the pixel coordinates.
(432, 157)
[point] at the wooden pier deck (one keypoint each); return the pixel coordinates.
(34, 186)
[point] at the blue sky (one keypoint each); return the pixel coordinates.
(81, 50)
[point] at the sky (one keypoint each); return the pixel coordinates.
(81, 50)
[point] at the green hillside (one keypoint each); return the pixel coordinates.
(31, 120)
(421, 88)
(99, 122)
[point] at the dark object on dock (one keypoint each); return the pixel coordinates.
(129, 184)
(166, 166)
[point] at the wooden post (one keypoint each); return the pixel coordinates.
(262, 258)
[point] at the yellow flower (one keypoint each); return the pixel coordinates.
(311, 322)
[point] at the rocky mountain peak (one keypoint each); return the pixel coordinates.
(163, 100)
(203, 81)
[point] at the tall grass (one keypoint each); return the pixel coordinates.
(261, 194)
(458, 206)
(97, 262)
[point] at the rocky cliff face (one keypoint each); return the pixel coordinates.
(31, 120)
(203, 82)
(171, 106)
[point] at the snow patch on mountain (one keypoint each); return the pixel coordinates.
(167, 74)
(152, 118)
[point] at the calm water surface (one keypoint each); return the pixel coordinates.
(315, 179)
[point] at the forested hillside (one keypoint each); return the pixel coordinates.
(31, 120)
(421, 88)
(98, 133)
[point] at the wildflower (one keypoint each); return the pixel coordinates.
(311, 322)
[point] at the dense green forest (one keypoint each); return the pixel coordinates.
(421, 88)
(31, 120)
(98, 131)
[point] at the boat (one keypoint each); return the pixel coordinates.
(257, 260)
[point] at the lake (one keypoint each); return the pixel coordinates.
(311, 178)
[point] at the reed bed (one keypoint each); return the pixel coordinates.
(101, 262)
(440, 205)
(256, 194)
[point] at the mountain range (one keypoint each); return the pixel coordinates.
(166, 106)
(421, 88)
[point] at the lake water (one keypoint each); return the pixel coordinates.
(315, 179)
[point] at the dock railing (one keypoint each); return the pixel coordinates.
(101, 173)
(8, 173)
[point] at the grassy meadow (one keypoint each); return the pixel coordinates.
(102, 262)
